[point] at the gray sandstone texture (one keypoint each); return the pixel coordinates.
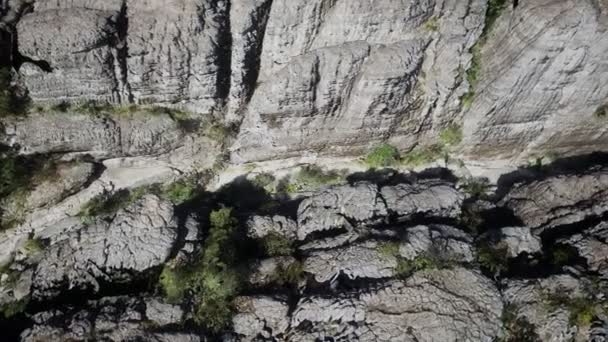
(130, 96)
(137, 239)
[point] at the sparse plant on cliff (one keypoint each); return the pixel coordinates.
(432, 24)
(476, 187)
(181, 190)
(383, 155)
(11, 103)
(517, 328)
(276, 245)
(291, 274)
(601, 112)
(493, 258)
(451, 136)
(107, 203)
(212, 280)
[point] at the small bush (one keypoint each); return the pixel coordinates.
(389, 249)
(181, 191)
(33, 246)
(312, 177)
(601, 112)
(562, 255)
(264, 180)
(94, 108)
(476, 187)
(451, 136)
(276, 245)
(582, 309)
(384, 155)
(494, 258)
(432, 25)
(11, 309)
(107, 204)
(290, 275)
(212, 280)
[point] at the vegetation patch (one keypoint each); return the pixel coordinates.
(493, 258)
(517, 329)
(432, 25)
(431, 259)
(107, 204)
(451, 136)
(292, 274)
(212, 281)
(601, 112)
(493, 11)
(11, 103)
(582, 309)
(265, 181)
(181, 190)
(275, 245)
(476, 187)
(384, 155)
(312, 177)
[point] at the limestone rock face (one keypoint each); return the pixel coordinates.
(355, 261)
(138, 238)
(533, 98)
(324, 85)
(260, 317)
(110, 318)
(560, 200)
(337, 207)
(592, 244)
(128, 51)
(426, 199)
(445, 305)
(100, 136)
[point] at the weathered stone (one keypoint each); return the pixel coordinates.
(260, 317)
(438, 305)
(364, 260)
(110, 318)
(439, 242)
(592, 244)
(337, 207)
(431, 198)
(559, 200)
(138, 238)
(261, 226)
(520, 240)
(266, 271)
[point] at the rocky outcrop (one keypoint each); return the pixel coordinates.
(262, 226)
(340, 208)
(364, 260)
(112, 319)
(559, 200)
(519, 240)
(531, 98)
(426, 199)
(537, 302)
(324, 86)
(138, 134)
(260, 317)
(440, 305)
(137, 239)
(592, 245)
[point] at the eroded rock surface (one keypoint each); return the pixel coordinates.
(560, 200)
(138, 238)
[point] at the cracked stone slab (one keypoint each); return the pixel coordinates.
(137, 239)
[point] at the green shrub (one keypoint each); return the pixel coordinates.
(476, 187)
(33, 246)
(11, 309)
(494, 258)
(275, 245)
(293, 274)
(451, 136)
(107, 204)
(312, 177)
(432, 25)
(264, 180)
(582, 309)
(406, 267)
(181, 190)
(389, 249)
(212, 280)
(562, 255)
(383, 156)
(601, 112)
(94, 108)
